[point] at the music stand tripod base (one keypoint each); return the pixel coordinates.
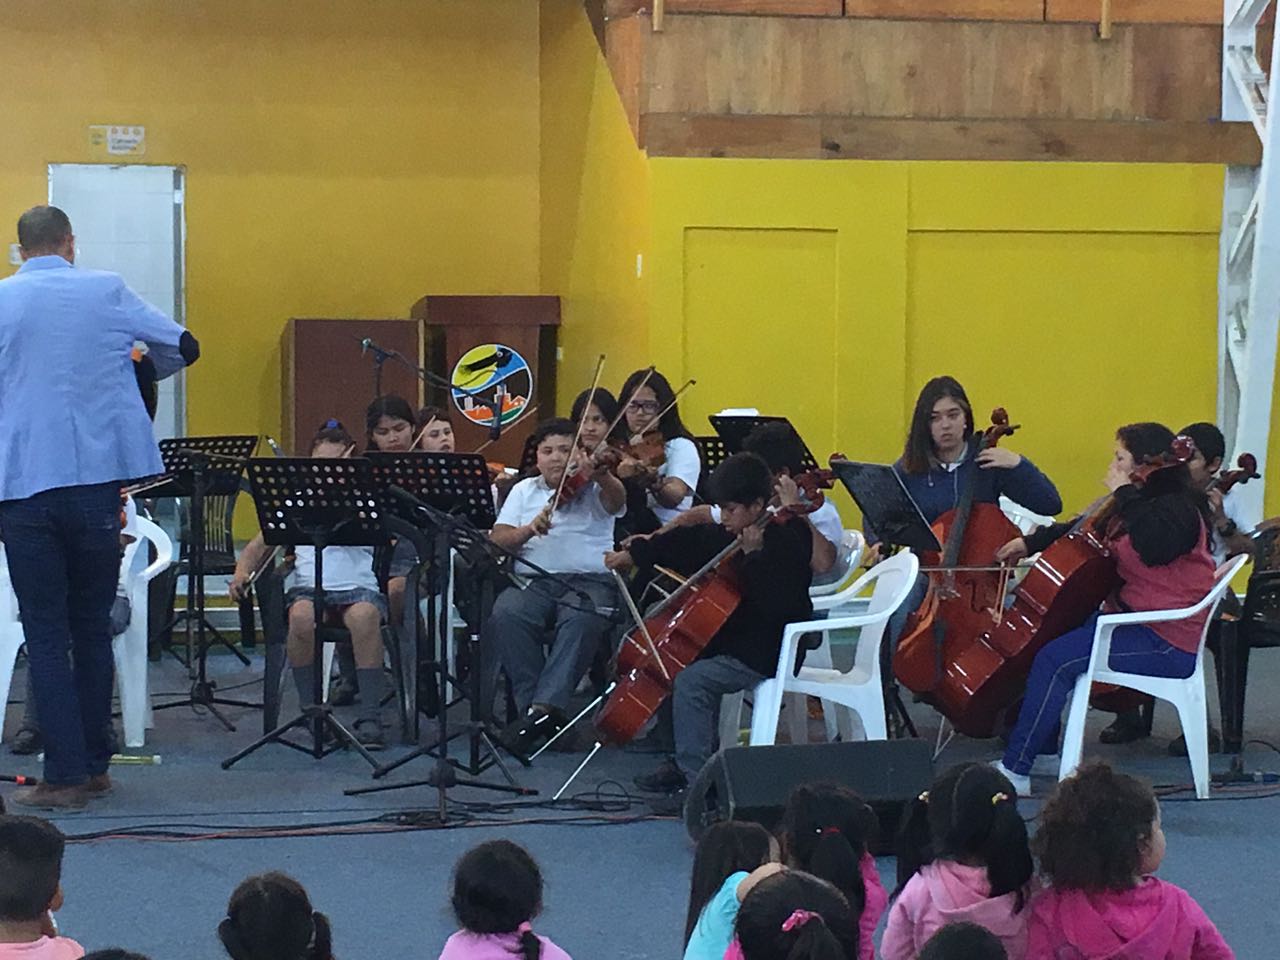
(321, 502)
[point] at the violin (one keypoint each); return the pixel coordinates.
(965, 596)
(672, 636)
(585, 464)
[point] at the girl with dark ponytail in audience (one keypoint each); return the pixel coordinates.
(731, 858)
(963, 855)
(793, 915)
(271, 918)
(824, 832)
(497, 891)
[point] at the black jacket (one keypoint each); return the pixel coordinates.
(774, 583)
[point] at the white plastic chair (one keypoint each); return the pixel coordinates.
(1187, 694)
(10, 635)
(858, 689)
(130, 647)
(1021, 517)
(848, 559)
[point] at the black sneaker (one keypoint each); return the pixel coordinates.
(531, 731)
(26, 742)
(1125, 728)
(1178, 748)
(369, 734)
(671, 805)
(342, 692)
(666, 779)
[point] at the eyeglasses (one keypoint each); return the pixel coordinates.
(643, 406)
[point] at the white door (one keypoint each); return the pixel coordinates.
(129, 219)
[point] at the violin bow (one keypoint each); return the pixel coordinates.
(595, 385)
(640, 624)
(675, 398)
(490, 442)
(423, 432)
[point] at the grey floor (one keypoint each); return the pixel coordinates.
(616, 887)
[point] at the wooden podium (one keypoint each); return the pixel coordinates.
(504, 348)
(324, 374)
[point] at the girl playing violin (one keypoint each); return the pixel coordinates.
(352, 600)
(1159, 535)
(661, 486)
(935, 466)
(773, 570)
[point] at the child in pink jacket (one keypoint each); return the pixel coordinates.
(1099, 843)
(963, 857)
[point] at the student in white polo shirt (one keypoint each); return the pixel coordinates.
(569, 612)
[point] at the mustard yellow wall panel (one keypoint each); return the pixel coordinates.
(1075, 334)
(595, 208)
(342, 158)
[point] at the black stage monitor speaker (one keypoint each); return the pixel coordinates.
(752, 783)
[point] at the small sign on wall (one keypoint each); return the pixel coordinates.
(117, 140)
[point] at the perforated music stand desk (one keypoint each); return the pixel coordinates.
(323, 503)
(456, 484)
(733, 430)
(885, 503)
(199, 467)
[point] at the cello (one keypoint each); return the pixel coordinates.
(1067, 583)
(674, 634)
(965, 593)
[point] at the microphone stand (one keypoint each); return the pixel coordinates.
(381, 355)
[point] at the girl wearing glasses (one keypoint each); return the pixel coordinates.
(656, 492)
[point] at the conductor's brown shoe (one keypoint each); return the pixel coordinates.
(99, 786)
(46, 796)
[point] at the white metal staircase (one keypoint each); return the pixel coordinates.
(1249, 265)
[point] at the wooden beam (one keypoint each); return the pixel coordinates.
(768, 8)
(624, 51)
(947, 9)
(858, 138)
(1136, 11)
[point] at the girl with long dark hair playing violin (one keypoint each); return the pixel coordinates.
(936, 465)
(774, 577)
(660, 483)
(1159, 534)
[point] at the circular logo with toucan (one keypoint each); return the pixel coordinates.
(488, 377)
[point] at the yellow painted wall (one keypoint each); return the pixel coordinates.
(1079, 296)
(343, 158)
(596, 207)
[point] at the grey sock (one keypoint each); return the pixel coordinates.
(373, 687)
(304, 679)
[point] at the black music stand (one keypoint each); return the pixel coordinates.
(734, 430)
(199, 467)
(325, 503)
(888, 509)
(447, 498)
(886, 505)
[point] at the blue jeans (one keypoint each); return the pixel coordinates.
(695, 706)
(1135, 649)
(63, 548)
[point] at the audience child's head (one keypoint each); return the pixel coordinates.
(793, 915)
(725, 849)
(388, 424)
(964, 941)
(30, 870)
(497, 888)
(331, 440)
(969, 815)
(114, 953)
(1100, 830)
(436, 428)
(824, 831)
(270, 917)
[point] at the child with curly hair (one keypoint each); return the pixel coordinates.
(1099, 844)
